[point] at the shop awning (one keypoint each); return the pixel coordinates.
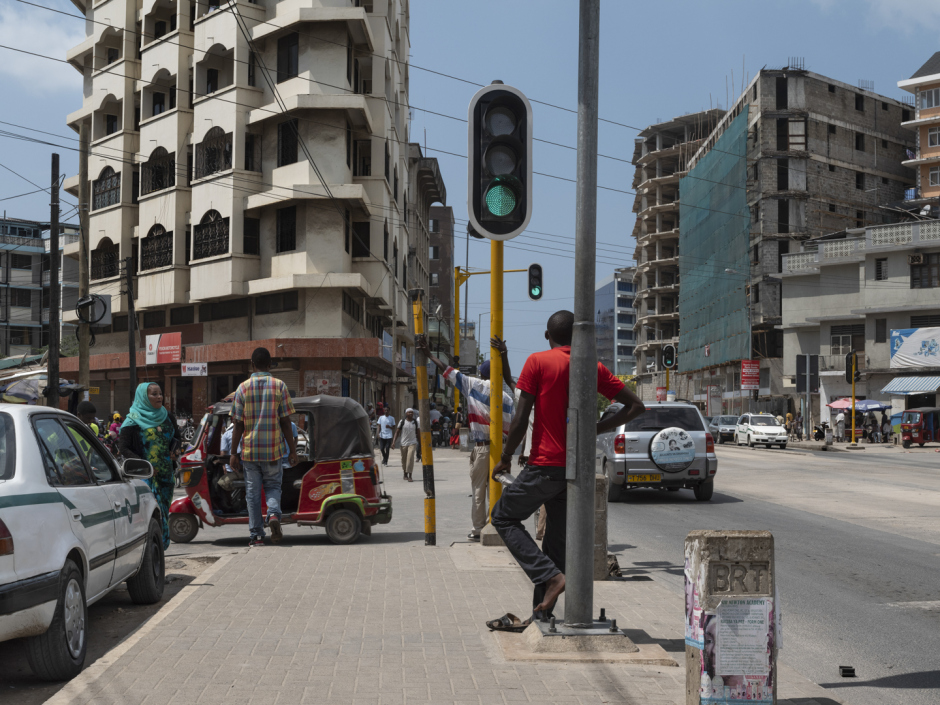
(919, 384)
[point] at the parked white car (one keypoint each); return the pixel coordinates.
(73, 526)
(764, 429)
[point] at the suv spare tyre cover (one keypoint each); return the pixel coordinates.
(672, 449)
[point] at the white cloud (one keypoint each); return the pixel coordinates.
(908, 16)
(42, 32)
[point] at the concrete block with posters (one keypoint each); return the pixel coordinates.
(732, 629)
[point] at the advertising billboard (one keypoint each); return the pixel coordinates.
(915, 347)
(164, 348)
(750, 374)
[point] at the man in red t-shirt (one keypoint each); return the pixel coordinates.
(544, 385)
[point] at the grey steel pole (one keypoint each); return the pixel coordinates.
(84, 337)
(582, 412)
(52, 373)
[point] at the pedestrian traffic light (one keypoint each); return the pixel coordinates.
(851, 363)
(535, 282)
(499, 181)
(669, 356)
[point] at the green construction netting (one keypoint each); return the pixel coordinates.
(714, 222)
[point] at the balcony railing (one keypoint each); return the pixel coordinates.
(213, 154)
(211, 239)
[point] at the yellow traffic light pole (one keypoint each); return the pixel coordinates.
(496, 367)
(854, 359)
(424, 414)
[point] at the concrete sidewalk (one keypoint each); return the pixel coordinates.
(378, 625)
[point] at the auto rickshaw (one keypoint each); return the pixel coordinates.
(336, 483)
(920, 426)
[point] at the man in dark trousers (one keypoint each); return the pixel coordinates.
(543, 385)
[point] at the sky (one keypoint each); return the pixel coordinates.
(658, 60)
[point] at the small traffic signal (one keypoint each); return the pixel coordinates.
(669, 357)
(851, 363)
(535, 282)
(499, 182)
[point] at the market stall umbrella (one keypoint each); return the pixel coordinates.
(860, 405)
(841, 404)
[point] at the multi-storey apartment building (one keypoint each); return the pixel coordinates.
(797, 156)
(925, 122)
(615, 320)
(661, 155)
(24, 284)
(441, 289)
(251, 161)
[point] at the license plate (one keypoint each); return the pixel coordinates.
(655, 477)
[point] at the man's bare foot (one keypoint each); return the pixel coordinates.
(553, 588)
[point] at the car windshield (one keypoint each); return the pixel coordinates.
(764, 421)
(659, 417)
(7, 447)
(729, 420)
(910, 417)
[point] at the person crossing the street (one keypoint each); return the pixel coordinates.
(476, 390)
(408, 430)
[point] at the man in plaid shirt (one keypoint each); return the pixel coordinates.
(261, 415)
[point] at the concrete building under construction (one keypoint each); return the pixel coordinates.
(661, 155)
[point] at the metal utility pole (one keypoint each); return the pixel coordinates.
(854, 363)
(131, 326)
(84, 377)
(496, 368)
(582, 421)
(52, 373)
(424, 419)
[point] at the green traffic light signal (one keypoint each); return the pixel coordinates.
(536, 292)
(500, 199)
(535, 282)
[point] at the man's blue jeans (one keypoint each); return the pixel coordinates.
(258, 476)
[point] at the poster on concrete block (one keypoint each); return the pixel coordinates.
(694, 591)
(737, 662)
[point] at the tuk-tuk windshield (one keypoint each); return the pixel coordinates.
(911, 417)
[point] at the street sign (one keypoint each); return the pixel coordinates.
(801, 374)
(750, 374)
(499, 180)
(94, 390)
(195, 369)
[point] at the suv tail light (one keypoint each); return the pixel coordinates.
(620, 444)
(709, 443)
(6, 540)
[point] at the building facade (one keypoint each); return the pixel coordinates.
(661, 154)
(867, 290)
(253, 169)
(924, 159)
(441, 295)
(24, 284)
(797, 156)
(614, 321)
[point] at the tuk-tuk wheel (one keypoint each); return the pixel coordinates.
(183, 527)
(343, 526)
(906, 444)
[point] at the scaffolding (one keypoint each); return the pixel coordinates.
(714, 227)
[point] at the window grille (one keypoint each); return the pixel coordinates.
(214, 153)
(106, 190)
(158, 172)
(104, 260)
(210, 236)
(156, 250)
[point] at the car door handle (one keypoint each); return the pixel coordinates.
(77, 515)
(118, 505)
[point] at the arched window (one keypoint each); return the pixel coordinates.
(158, 172)
(214, 153)
(104, 260)
(106, 190)
(156, 250)
(210, 237)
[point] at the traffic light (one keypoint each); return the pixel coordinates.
(535, 282)
(669, 356)
(499, 182)
(851, 362)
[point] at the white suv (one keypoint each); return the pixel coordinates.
(73, 526)
(764, 429)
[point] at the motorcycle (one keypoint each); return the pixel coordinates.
(819, 431)
(437, 434)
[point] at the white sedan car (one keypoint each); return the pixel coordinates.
(763, 429)
(73, 526)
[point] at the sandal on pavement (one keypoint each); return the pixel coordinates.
(508, 623)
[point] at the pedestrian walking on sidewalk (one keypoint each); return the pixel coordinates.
(885, 428)
(798, 427)
(386, 433)
(476, 390)
(150, 432)
(262, 428)
(408, 430)
(544, 385)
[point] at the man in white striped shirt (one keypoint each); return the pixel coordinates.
(476, 390)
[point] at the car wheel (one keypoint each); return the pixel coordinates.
(59, 653)
(783, 446)
(183, 527)
(343, 526)
(750, 443)
(613, 491)
(720, 439)
(704, 490)
(146, 587)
